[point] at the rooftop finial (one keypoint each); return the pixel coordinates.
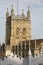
(22, 12)
(12, 11)
(28, 13)
(7, 9)
(7, 13)
(12, 6)
(28, 7)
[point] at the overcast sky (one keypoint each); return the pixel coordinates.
(36, 9)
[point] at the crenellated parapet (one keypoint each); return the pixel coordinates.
(13, 16)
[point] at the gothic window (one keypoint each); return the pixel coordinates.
(17, 31)
(24, 31)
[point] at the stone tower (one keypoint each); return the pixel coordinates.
(18, 28)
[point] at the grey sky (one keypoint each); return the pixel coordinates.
(36, 8)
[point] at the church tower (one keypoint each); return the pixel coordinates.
(18, 28)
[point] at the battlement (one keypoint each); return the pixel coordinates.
(22, 16)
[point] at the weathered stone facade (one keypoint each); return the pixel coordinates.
(18, 28)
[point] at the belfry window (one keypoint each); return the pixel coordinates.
(24, 31)
(17, 31)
